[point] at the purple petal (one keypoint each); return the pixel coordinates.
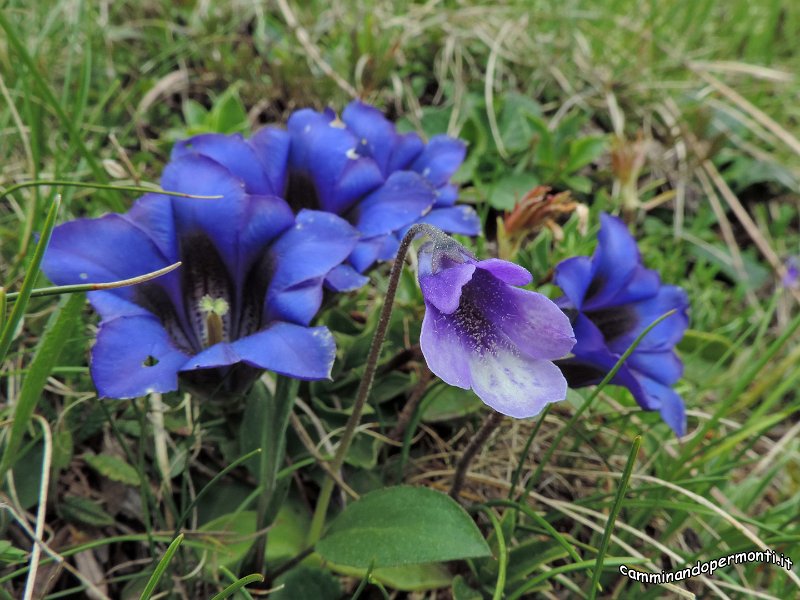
(506, 271)
(124, 348)
(444, 348)
(516, 385)
(533, 323)
(443, 289)
(285, 348)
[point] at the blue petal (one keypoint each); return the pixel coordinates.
(440, 159)
(327, 153)
(365, 253)
(573, 276)
(667, 333)
(668, 403)
(462, 220)
(402, 200)
(376, 135)
(345, 278)
(152, 213)
(408, 146)
(285, 348)
(302, 258)
(616, 262)
(235, 154)
(272, 148)
(446, 195)
(124, 348)
(664, 367)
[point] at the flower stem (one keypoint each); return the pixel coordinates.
(476, 443)
(321, 510)
(273, 448)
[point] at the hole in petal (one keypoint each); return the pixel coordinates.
(150, 361)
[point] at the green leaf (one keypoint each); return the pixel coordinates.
(408, 578)
(194, 113)
(510, 189)
(161, 568)
(402, 526)
(584, 151)
(307, 582)
(113, 468)
(84, 511)
(9, 554)
(461, 591)
(228, 538)
(444, 403)
(228, 114)
(288, 532)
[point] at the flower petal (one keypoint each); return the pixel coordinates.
(444, 348)
(532, 322)
(376, 134)
(573, 276)
(664, 367)
(443, 289)
(345, 278)
(667, 402)
(506, 271)
(667, 333)
(402, 200)
(272, 148)
(302, 257)
(408, 146)
(235, 154)
(462, 220)
(516, 385)
(124, 349)
(285, 348)
(440, 159)
(328, 153)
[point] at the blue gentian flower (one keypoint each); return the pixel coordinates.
(792, 276)
(611, 298)
(357, 167)
(482, 332)
(242, 301)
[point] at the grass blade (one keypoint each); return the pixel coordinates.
(237, 585)
(612, 517)
(30, 279)
(161, 567)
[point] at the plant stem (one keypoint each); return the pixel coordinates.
(476, 443)
(321, 510)
(273, 448)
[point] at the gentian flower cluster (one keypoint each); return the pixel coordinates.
(242, 301)
(358, 167)
(611, 299)
(482, 332)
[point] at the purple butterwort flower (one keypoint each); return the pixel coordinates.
(611, 298)
(483, 333)
(250, 283)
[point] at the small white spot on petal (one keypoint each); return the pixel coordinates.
(352, 154)
(426, 171)
(307, 128)
(84, 276)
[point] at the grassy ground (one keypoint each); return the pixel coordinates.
(684, 116)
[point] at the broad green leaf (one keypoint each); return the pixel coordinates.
(584, 151)
(228, 538)
(710, 346)
(307, 582)
(408, 578)
(461, 591)
(444, 403)
(402, 526)
(288, 532)
(113, 468)
(510, 189)
(83, 511)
